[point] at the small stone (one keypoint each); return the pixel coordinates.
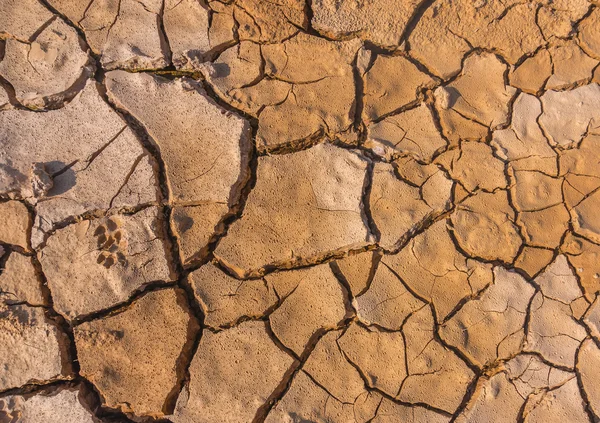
(41, 181)
(231, 376)
(137, 347)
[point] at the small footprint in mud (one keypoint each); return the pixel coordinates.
(112, 243)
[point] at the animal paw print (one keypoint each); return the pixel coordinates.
(111, 243)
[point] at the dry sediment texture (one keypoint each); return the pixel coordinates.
(318, 211)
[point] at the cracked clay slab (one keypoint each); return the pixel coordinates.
(380, 21)
(125, 33)
(64, 405)
(19, 281)
(72, 161)
(306, 204)
(30, 347)
(48, 67)
(231, 361)
(136, 347)
(96, 264)
(205, 149)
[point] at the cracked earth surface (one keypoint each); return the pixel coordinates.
(291, 211)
